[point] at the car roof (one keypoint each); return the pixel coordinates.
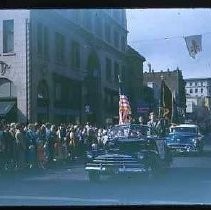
(187, 125)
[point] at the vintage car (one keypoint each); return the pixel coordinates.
(185, 138)
(129, 149)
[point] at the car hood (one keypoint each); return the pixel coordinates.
(127, 147)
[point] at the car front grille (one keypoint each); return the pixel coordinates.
(183, 147)
(116, 162)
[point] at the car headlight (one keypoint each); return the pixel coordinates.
(89, 155)
(140, 156)
(194, 141)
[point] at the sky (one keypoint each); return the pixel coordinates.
(149, 28)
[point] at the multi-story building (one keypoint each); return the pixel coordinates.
(173, 79)
(61, 65)
(133, 78)
(198, 87)
(198, 97)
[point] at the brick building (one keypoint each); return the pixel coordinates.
(173, 79)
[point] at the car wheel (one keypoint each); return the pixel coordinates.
(93, 176)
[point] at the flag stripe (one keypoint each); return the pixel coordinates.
(124, 109)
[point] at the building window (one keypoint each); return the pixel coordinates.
(39, 39)
(202, 90)
(98, 25)
(196, 90)
(116, 72)
(87, 20)
(108, 69)
(116, 39)
(117, 14)
(46, 43)
(107, 32)
(75, 55)
(123, 41)
(122, 16)
(60, 47)
(191, 91)
(190, 83)
(58, 92)
(42, 40)
(75, 15)
(123, 73)
(8, 36)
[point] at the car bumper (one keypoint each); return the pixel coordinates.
(120, 170)
(183, 149)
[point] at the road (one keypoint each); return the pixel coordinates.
(188, 181)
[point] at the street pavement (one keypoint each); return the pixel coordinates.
(188, 181)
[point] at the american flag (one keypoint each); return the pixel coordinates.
(124, 110)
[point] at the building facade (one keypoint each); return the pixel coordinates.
(198, 99)
(61, 65)
(174, 80)
(133, 78)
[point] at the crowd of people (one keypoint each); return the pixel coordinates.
(36, 145)
(42, 145)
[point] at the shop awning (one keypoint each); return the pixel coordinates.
(5, 107)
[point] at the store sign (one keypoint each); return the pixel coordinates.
(142, 109)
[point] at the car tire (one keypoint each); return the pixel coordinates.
(93, 176)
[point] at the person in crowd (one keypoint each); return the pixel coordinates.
(53, 141)
(152, 123)
(50, 143)
(21, 146)
(31, 146)
(99, 137)
(163, 127)
(72, 143)
(41, 141)
(2, 148)
(9, 148)
(12, 131)
(62, 138)
(141, 120)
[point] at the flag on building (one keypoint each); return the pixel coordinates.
(165, 101)
(124, 106)
(193, 44)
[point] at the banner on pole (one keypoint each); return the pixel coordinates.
(193, 44)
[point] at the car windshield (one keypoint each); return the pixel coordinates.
(125, 131)
(185, 129)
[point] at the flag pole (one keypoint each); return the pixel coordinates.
(172, 112)
(119, 84)
(120, 114)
